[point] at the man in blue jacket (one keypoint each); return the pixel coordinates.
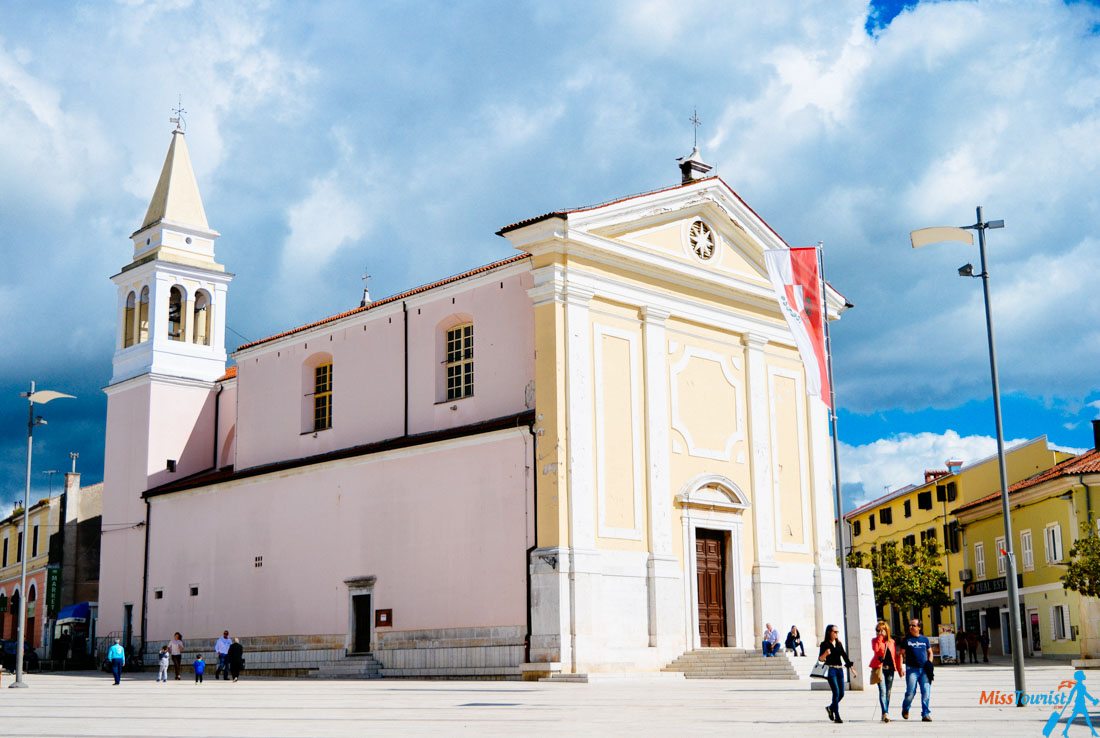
(117, 656)
(918, 653)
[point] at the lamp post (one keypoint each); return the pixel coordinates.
(40, 397)
(923, 237)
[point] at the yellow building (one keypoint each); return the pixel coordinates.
(1050, 510)
(916, 513)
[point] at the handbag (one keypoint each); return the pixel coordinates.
(820, 670)
(876, 675)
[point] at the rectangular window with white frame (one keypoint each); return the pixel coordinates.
(999, 547)
(1026, 550)
(1053, 538)
(979, 560)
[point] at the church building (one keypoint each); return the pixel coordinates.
(593, 455)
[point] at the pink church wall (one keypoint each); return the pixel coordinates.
(274, 406)
(135, 459)
(442, 527)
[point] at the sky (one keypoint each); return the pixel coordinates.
(334, 138)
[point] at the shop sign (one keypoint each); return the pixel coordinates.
(990, 586)
(53, 591)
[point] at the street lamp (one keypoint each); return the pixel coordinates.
(923, 237)
(40, 397)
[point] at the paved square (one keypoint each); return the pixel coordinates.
(88, 704)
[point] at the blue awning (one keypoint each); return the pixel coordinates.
(78, 613)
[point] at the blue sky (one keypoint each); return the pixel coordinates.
(330, 138)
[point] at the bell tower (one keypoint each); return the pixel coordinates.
(169, 354)
(172, 295)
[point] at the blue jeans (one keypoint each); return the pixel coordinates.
(884, 687)
(116, 669)
(836, 684)
(913, 677)
(223, 666)
(771, 649)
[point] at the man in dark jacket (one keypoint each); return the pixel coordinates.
(918, 660)
(236, 658)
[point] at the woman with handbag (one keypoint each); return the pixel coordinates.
(833, 655)
(885, 663)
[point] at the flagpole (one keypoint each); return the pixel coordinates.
(836, 440)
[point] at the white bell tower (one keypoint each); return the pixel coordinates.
(169, 354)
(172, 296)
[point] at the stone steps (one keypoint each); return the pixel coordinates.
(360, 666)
(732, 663)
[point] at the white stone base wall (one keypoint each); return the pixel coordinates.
(487, 652)
(286, 655)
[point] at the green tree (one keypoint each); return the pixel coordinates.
(1083, 571)
(911, 578)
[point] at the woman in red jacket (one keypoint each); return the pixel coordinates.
(886, 658)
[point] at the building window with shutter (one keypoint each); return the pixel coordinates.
(924, 500)
(1059, 621)
(855, 529)
(908, 508)
(34, 540)
(979, 560)
(871, 522)
(460, 361)
(1053, 538)
(999, 545)
(886, 516)
(1026, 550)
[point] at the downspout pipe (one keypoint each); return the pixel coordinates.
(145, 582)
(535, 537)
(217, 410)
(405, 322)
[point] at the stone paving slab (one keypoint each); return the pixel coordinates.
(88, 704)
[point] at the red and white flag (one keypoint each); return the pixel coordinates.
(797, 283)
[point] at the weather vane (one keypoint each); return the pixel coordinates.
(695, 123)
(181, 124)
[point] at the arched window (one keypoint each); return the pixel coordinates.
(128, 325)
(460, 361)
(201, 319)
(143, 316)
(32, 613)
(13, 608)
(175, 314)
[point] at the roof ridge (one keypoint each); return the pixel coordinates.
(387, 300)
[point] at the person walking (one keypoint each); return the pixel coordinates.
(794, 641)
(984, 640)
(221, 647)
(175, 652)
(200, 667)
(236, 658)
(162, 664)
(918, 652)
(836, 658)
(885, 662)
(116, 654)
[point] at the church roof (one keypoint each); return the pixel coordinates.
(569, 211)
(387, 300)
(176, 197)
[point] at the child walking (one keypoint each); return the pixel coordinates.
(162, 664)
(200, 667)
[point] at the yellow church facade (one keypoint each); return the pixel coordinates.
(684, 484)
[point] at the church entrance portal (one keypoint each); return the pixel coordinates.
(710, 567)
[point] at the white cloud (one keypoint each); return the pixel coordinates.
(890, 463)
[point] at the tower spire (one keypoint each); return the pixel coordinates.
(176, 197)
